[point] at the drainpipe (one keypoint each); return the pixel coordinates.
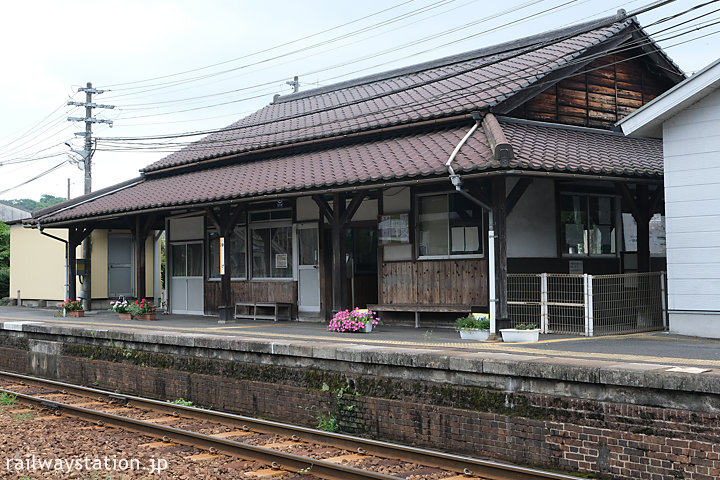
(67, 266)
(457, 183)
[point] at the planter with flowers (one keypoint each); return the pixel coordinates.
(72, 308)
(523, 332)
(142, 310)
(358, 320)
(474, 327)
(122, 308)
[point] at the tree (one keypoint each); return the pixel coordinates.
(29, 204)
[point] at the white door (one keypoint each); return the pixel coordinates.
(307, 269)
(120, 267)
(186, 280)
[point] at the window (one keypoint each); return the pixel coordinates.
(271, 240)
(587, 224)
(238, 253)
(448, 224)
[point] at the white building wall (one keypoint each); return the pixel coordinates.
(691, 142)
(531, 231)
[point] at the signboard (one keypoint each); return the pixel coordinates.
(576, 267)
(394, 229)
(281, 260)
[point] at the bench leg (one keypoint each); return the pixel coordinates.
(417, 319)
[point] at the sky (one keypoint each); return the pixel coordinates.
(182, 66)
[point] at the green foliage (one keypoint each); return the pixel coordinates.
(46, 200)
(525, 326)
(182, 402)
(7, 399)
(21, 417)
(472, 323)
(4, 282)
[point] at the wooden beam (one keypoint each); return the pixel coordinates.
(516, 194)
(338, 249)
(353, 207)
(324, 207)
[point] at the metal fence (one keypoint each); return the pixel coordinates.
(589, 304)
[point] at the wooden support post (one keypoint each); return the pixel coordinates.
(643, 229)
(224, 221)
(141, 230)
(499, 205)
(75, 237)
(338, 246)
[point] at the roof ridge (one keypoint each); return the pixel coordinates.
(518, 44)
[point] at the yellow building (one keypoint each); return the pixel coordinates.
(37, 266)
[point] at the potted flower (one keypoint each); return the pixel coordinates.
(122, 308)
(357, 320)
(142, 310)
(523, 332)
(473, 327)
(72, 308)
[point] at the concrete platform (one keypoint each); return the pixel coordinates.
(654, 348)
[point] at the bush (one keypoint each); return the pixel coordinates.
(472, 323)
(4, 282)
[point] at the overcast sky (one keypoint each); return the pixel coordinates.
(173, 67)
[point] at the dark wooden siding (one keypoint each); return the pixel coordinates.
(607, 90)
(435, 282)
(252, 291)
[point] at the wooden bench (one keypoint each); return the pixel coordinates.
(420, 308)
(263, 310)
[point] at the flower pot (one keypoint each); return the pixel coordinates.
(479, 335)
(76, 313)
(512, 335)
(125, 316)
(146, 316)
(368, 328)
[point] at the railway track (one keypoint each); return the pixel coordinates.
(280, 446)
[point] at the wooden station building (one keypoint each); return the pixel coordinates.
(400, 189)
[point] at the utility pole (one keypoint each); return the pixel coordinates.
(87, 154)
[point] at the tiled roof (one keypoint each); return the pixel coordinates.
(446, 87)
(537, 146)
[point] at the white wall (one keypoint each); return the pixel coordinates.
(691, 142)
(531, 229)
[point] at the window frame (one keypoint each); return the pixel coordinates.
(212, 229)
(265, 224)
(616, 223)
(449, 256)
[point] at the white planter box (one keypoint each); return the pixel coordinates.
(511, 335)
(480, 335)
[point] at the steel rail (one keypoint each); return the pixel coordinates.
(470, 466)
(273, 458)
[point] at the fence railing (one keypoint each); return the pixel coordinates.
(589, 304)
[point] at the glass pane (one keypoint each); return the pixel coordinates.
(238, 249)
(465, 225)
(573, 224)
(194, 260)
(213, 255)
(281, 252)
(433, 225)
(308, 246)
(261, 252)
(602, 229)
(179, 260)
(365, 250)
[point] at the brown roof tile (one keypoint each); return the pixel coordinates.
(537, 146)
(442, 88)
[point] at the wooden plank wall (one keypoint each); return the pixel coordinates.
(608, 89)
(435, 282)
(252, 291)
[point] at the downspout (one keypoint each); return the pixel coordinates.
(457, 183)
(67, 267)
